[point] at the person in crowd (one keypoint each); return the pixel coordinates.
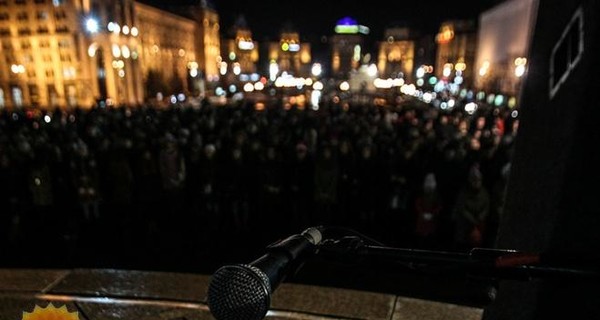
(235, 168)
(428, 207)
(470, 212)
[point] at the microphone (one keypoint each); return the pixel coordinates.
(243, 291)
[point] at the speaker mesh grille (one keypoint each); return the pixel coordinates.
(240, 292)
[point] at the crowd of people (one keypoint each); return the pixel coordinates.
(146, 185)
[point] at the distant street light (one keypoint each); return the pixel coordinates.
(91, 25)
(316, 70)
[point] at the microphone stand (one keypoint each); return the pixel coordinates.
(488, 263)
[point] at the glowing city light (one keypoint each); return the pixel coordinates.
(316, 70)
(91, 25)
(372, 70)
(315, 99)
(259, 86)
(451, 103)
(47, 119)
(484, 68)
(248, 87)
(116, 51)
(408, 89)
(447, 69)
(245, 44)
(273, 70)
(519, 71)
(237, 69)
(499, 100)
(383, 83)
(116, 28)
(357, 50)
(125, 30)
(92, 50)
(134, 31)
(427, 97)
(471, 107)
(420, 72)
(193, 73)
(318, 85)
(344, 86)
(17, 68)
(125, 52)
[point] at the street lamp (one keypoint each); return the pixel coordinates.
(91, 25)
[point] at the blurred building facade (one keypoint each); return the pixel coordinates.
(347, 47)
(396, 58)
(456, 50)
(504, 36)
(239, 51)
(290, 54)
(66, 53)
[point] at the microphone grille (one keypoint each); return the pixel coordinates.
(239, 292)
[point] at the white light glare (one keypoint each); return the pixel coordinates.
(316, 70)
(470, 107)
(91, 25)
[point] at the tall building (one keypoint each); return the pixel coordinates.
(396, 58)
(504, 36)
(347, 47)
(457, 45)
(65, 53)
(239, 51)
(290, 54)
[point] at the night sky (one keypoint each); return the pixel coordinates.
(315, 18)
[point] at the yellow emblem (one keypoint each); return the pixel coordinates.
(50, 312)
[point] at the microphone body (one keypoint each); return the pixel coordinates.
(243, 292)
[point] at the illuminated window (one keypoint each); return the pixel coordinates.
(49, 73)
(42, 15)
(4, 16)
(62, 29)
(64, 43)
(44, 44)
(24, 31)
(57, 3)
(42, 30)
(59, 15)
(566, 53)
(22, 16)
(4, 32)
(25, 45)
